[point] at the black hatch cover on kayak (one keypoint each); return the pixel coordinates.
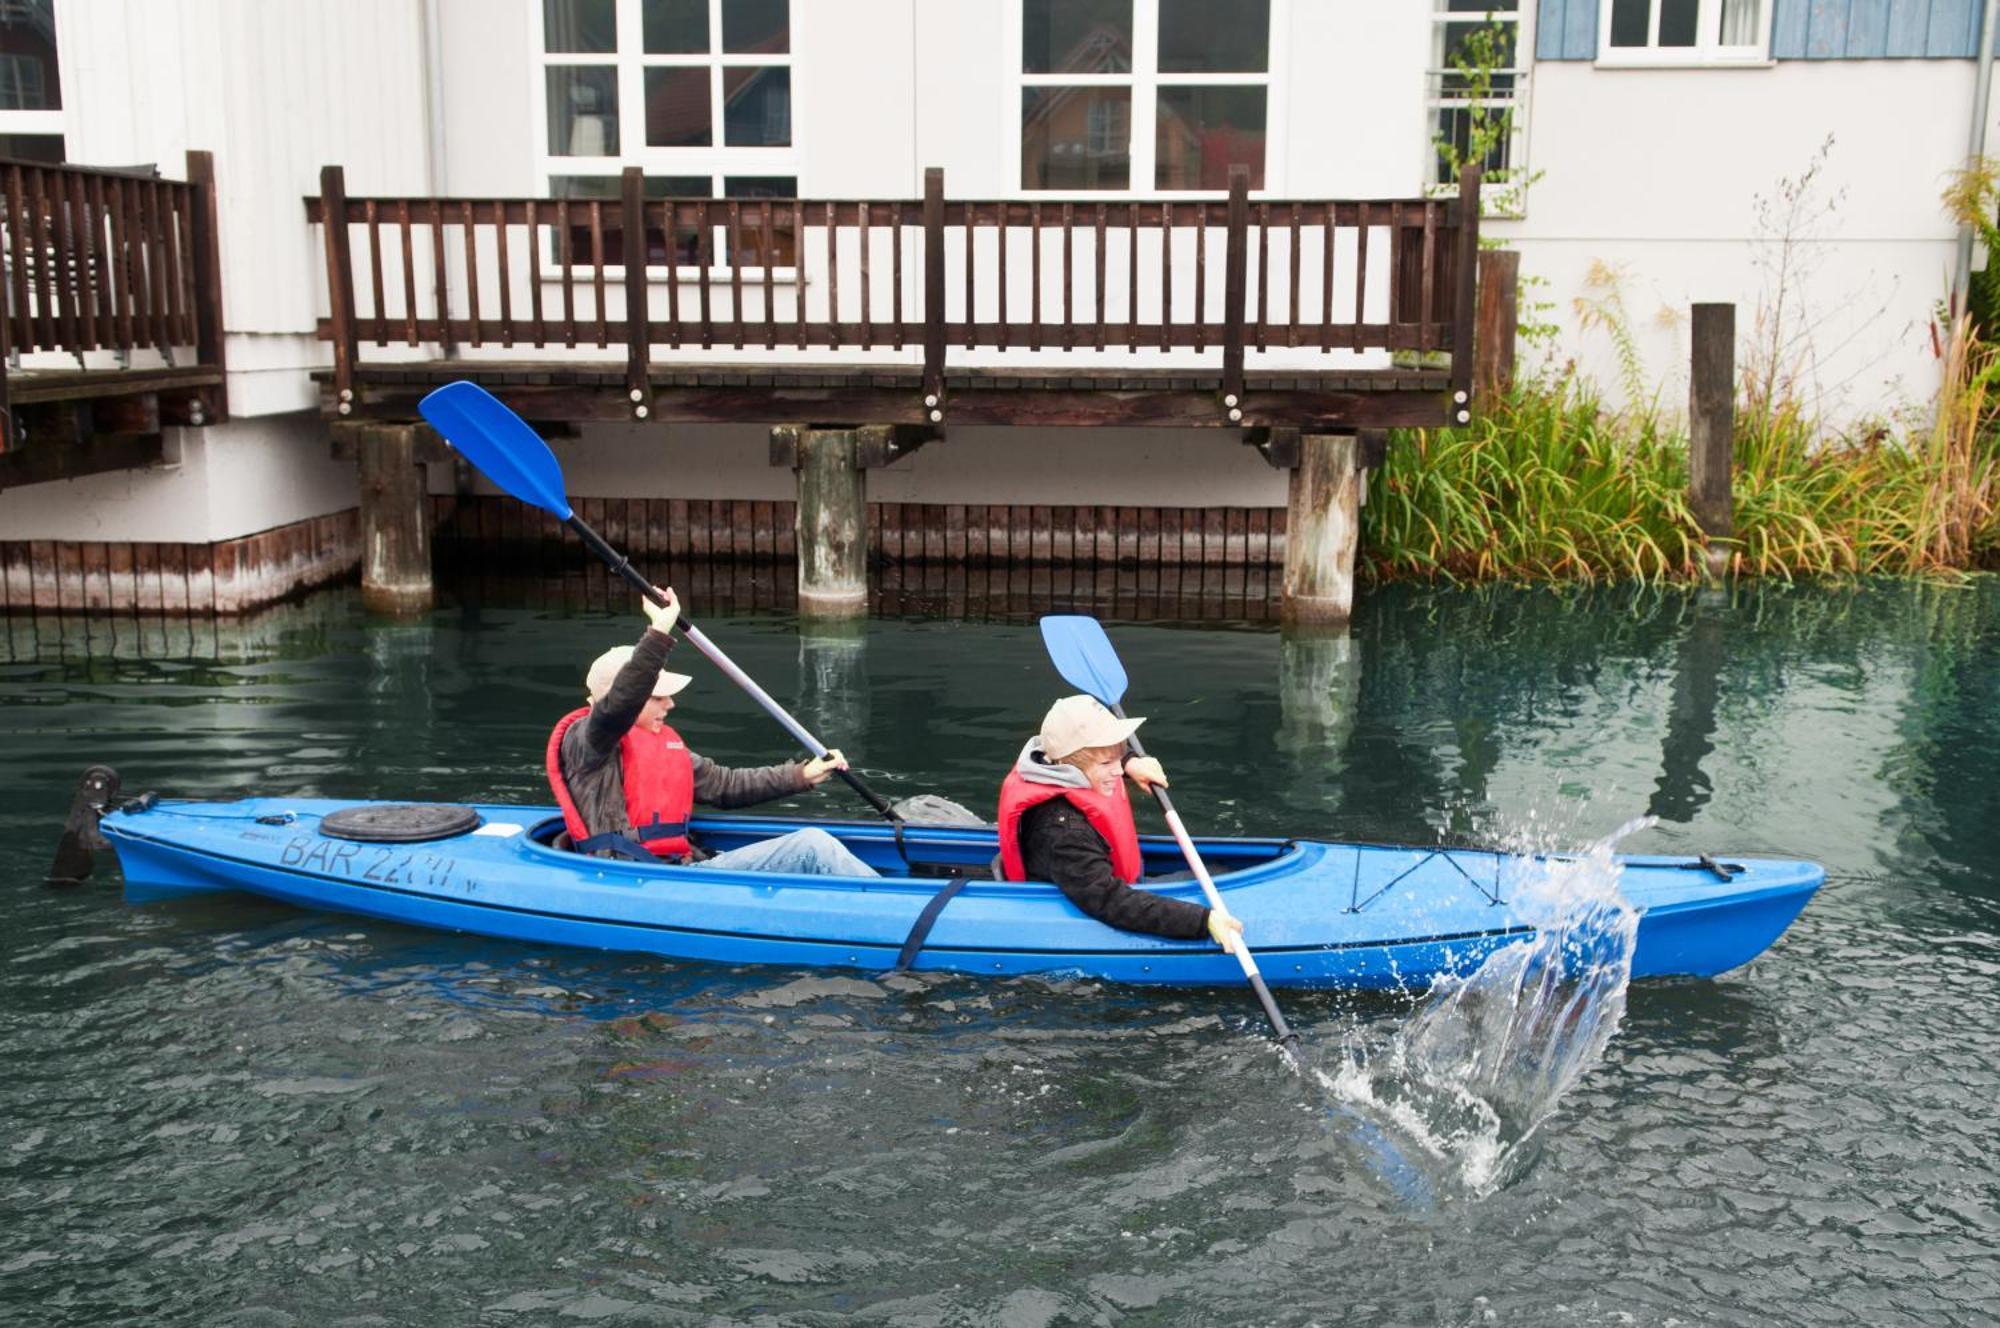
(399, 822)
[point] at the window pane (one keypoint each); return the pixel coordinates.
(1076, 36)
(757, 107)
(756, 27)
(677, 111)
(1205, 131)
(1628, 21)
(761, 186)
(1202, 37)
(1076, 138)
(1679, 20)
(675, 27)
(747, 250)
(574, 26)
(583, 111)
(1739, 22)
(28, 80)
(1470, 48)
(33, 147)
(610, 186)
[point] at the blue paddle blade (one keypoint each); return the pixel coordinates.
(1083, 655)
(499, 443)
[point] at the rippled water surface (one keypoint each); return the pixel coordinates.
(230, 1112)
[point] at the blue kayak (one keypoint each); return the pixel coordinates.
(1318, 914)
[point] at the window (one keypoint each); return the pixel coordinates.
(1475, 85)
(1156, 95)
(31, 106)
(1683, 31)
(747, 250)
(696, 92)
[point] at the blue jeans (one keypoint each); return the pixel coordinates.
(806, 852)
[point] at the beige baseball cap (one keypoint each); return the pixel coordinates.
(1076, 722)
(605, 668)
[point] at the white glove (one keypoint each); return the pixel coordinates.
(663, 616)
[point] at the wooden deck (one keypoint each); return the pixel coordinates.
(99, 261)
(673, 286)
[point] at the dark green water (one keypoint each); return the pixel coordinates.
(229, 1112)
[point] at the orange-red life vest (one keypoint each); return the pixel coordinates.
(658, 778)
(1110, 816)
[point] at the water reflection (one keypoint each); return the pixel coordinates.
(833, 680)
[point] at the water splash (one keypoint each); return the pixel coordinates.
(1486, 1057)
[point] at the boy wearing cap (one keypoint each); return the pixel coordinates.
(627, 783)
(1064, 817)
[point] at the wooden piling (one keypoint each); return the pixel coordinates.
(395, 530)
(832, 521)
(1498, 321)
(1712, 429)
(1322, 529)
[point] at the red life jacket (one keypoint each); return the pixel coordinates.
(658, 778)
(1110, 816)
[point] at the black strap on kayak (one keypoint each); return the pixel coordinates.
(617, 845)
(1725, 871)
(925, 921)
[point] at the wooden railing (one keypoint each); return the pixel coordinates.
(856, 276)
(103, 260)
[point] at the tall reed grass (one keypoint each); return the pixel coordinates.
(1549, 485)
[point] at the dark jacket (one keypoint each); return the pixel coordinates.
(1059, 844)
(589, 754)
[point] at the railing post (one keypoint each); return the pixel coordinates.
(1712, 428)
(339, 283)
(934, 286)
(1235, 276)
(638, 315)
(210, 348)
(1465, 293)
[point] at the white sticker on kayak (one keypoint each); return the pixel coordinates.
(499, 829)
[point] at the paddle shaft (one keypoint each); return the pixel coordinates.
(1287, 1039)
(622, 565)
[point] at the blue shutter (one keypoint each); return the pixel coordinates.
(1867, 29)
(1909, 30)
(1566, 30)
(1954, 29)
(1874, 29)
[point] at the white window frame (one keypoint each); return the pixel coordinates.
(1435, 100)
(1705, 53)
(49, 124)
(1145, 81)
(715, 161)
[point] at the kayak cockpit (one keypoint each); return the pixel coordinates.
(933, 851)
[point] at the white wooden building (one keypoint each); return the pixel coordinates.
(1660, 142)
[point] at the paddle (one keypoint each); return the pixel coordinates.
(513, 456)
(1083, 655)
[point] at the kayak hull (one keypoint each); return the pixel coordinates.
(1320, 914)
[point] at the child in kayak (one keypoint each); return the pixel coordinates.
(627, 783)
(1064, 817)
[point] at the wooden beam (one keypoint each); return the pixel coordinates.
(934, 310)
(210, 340)
(1712, 426)
(638, 319)
(40, 463)
(340, 282)
(1235, 263)
(1465, 293)
(1498, 325)
(849, 407)
(136, 414)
